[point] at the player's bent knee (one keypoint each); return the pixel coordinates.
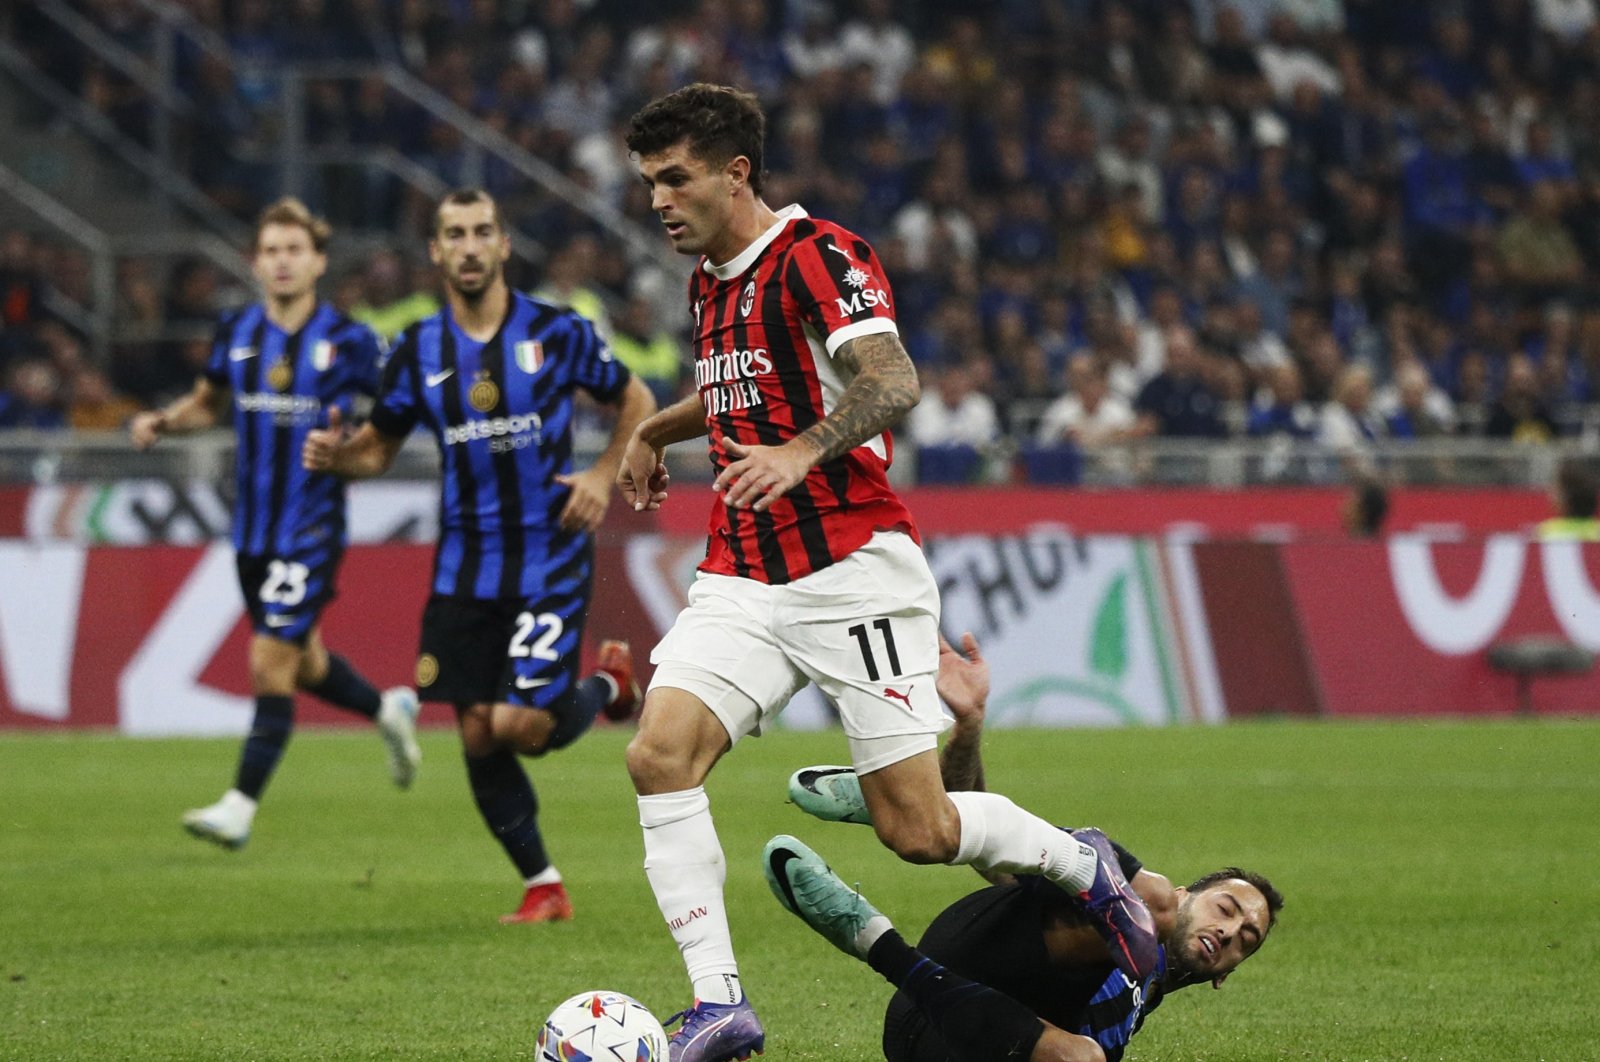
(658, 764)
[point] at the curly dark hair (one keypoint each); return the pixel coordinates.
(1273, 897)
(719, 122)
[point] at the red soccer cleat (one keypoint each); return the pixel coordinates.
(616, 660)
(542, 903)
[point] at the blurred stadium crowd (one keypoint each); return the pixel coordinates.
(1321, 219)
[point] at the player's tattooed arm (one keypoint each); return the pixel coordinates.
(884, 389)
(963, 685)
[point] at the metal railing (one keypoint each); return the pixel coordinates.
(34, 457)
(294, 156)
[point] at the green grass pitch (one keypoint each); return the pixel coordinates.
(1441, 881)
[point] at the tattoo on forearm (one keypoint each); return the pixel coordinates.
(961, 767)
(884, 388)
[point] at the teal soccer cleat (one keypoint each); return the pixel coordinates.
(808, 888)
(832, 794)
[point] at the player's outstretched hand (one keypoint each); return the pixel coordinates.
(963, 681)
(586, 505)
(760, 475)
(642, 476)
(146, 428)
(323, 443)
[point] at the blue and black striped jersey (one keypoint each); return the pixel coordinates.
(1119, 1007)
(283, 385)
(501, 413)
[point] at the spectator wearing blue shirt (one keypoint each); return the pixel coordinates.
(1283, 411)
(32, 398)
(1542, 161)
(1177, 403)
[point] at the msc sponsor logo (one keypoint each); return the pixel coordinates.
(862, 300)
(496, 428)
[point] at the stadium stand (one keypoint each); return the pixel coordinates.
(1397, 205)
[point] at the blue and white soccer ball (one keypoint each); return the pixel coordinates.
(601, 1026)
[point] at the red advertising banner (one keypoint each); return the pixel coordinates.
(154, 512)
(1404, 627)
(1081, 630)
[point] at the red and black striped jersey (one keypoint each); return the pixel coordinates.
(767, 326)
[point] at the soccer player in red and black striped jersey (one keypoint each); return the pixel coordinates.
(813, 572)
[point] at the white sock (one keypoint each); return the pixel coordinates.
(684, 862)
(547, 876)
(718, 988)
(998, 835)
(236, 803)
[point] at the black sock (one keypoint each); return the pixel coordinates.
(343, 687)
(505, 799)
(269, 733)
(977, 1023)
(575, 712)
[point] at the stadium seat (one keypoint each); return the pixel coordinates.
(1535, 656)
(1058, 464)
(956, 463)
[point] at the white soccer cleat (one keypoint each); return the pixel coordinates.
(397, 722)
(227, 822)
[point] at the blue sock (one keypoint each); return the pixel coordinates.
(269, 733)
(976, 1022)
(343, 687)
(575, 712)
(506, 801)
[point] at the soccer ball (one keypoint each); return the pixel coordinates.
(601, 1026)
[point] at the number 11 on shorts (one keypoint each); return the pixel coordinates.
(860, 634)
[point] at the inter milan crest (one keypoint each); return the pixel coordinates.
(280, 376)
(322, 355)
(483, 394)
(530, 356)
(427, 669)
(747, 301)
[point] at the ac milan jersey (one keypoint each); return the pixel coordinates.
(283, 384)
(501, 412)
(767, 326)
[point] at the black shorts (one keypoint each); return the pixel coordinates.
(514, 651)
(285, 595)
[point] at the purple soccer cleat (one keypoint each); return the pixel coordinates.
(717, 1032)
(1117, 912)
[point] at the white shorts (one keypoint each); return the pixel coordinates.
(865, 630)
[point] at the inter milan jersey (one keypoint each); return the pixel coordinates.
(282, 385)
(767, 327)
(501, 412)
(1119, 1007)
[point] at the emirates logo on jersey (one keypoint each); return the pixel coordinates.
(747, 301)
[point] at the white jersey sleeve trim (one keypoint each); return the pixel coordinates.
(871, 326)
